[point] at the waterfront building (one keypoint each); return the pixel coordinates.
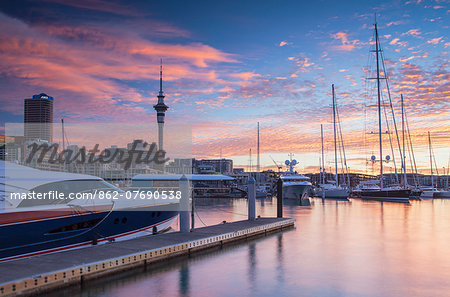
(38, 118)
(223, 166)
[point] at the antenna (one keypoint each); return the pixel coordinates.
(160, 78)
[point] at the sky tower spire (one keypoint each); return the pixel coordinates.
(161, 93)
(160, 108)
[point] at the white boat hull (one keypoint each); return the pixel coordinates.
(333, 193)
(428, 194)
(295, 191)
(443, 195)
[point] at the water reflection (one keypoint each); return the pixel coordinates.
(184, 280)
(252, 264)
(280, 260)
(339, 248)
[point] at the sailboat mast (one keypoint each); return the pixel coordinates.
(250, 160)
(334, 126)
(404, 151)
(379, 106)
(431, 159)
(62, 127)
(257, 148)
(323, 161)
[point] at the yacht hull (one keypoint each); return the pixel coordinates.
(40, 236)
(333, 194)
(295, 191)
(386, 195)
(428, 195)
(443, 195)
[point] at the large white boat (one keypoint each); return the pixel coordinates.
(47, 211)
(295, 186)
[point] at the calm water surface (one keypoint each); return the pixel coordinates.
(338, 248)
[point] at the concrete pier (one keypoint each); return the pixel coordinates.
(43, 273)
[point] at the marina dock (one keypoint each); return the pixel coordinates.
(47, 272)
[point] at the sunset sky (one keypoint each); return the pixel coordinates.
(230, 64)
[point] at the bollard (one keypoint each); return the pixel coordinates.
(184, 204)
(251, 189)
(279, 198)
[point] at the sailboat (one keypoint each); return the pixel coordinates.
(332, 190)
(445, 193)
(379, 191)
(430, 192)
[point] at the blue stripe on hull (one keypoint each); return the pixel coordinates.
(29, 237)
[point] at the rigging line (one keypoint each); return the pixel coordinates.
(390, 142)
(410, 152)
(369, 93)
(412, 149)
(196, 212)
(392, 108)
(340, 146)
(434, 158)
(342, 141)
(411, 161)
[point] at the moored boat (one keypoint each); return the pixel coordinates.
(60, 221)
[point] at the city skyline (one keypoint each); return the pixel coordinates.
(228, 66)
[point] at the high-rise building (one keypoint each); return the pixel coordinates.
(38, 118)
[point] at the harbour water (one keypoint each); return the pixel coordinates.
(338, 248)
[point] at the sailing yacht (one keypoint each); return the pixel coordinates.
(430, 192)
(380, 192)
(332, 190)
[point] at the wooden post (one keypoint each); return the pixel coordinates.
(184, 205)
(279, 198)
(251, 199)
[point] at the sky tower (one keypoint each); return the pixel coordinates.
(160, 108)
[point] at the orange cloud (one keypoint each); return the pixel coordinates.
(347, 45)
(435, 40)
(283, 43)
(89, 63)
(394, 41)
(412, 32)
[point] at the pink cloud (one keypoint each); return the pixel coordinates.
(412, 32)
(347, 45)
(303, 63)
(244, 75)
(89, 62)
(283, 43)
(394, 23)
(435, 40)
